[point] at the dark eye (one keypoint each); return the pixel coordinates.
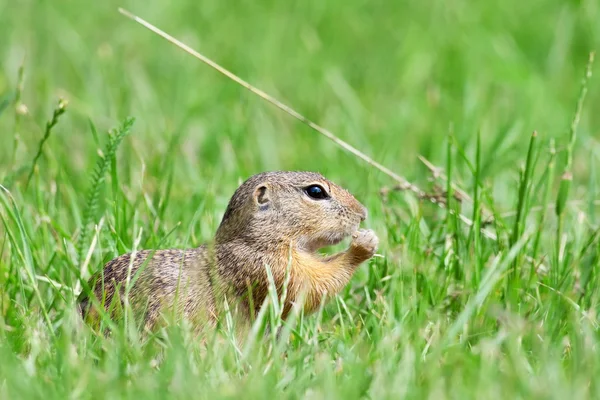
(316, 192)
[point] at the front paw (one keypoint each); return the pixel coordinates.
(364, 243)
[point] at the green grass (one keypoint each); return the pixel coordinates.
(446, 312)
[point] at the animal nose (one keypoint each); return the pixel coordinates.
(363, 213)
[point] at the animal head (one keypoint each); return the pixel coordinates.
(301, 206)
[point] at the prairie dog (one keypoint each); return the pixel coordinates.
(275, 219)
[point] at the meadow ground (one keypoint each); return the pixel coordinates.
(446, 312)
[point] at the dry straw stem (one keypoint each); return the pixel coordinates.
(403, 184)
(437, 172)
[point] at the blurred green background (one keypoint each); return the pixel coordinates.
(395, 79)
(391, 78)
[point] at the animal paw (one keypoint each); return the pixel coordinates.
(364, 243)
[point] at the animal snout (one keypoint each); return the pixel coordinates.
(363, 213)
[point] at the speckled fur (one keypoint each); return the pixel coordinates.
(270, 220)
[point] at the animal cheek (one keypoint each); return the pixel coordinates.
(342, 214)
(333, 225)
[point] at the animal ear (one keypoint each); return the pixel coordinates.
(262, 196)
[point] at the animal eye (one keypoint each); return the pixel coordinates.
(316, 192)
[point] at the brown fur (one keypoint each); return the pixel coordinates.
(270, 221)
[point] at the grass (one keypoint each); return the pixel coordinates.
(446, 312)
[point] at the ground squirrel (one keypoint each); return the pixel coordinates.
(274, 219)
